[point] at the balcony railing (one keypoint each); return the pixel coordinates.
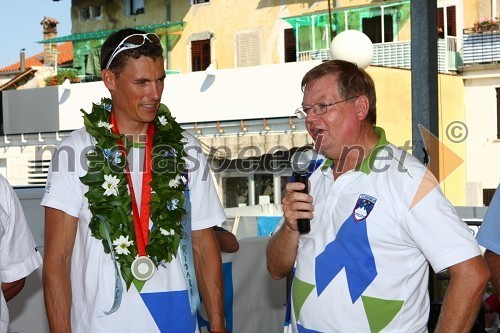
(482, 47)
(392, 54)
(398, 54)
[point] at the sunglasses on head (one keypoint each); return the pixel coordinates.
(132, 42)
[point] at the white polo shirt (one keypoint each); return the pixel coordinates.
(364, 265)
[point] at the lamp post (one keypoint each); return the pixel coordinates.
(330, 18)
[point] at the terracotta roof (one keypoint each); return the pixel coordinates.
(19, 79)
(65, 55)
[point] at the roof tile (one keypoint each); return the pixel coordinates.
(65, 55)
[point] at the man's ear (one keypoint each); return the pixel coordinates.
(362, 107)
(108, 77)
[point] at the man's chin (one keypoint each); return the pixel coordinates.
(318, 145)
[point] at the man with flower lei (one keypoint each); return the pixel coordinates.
(129, 210)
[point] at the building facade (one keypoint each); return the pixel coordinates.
(234, 71)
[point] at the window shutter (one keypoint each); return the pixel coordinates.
(440, 23)
(488, 195)
(205, 54)
(372, 27)
(248, 49)
(200, 55)
(388, 34)
(450, 19)
(290, 46)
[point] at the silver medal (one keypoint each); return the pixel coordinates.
(142, 268)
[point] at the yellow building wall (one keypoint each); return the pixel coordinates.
(453, 134)
(113, 15)
(471, 13)
(393, 88)
(479, 10)
(226, 18)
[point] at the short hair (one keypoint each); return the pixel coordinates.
(351, 79)
(151, 50)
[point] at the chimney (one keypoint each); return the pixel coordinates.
(22, 60)
(49, 31)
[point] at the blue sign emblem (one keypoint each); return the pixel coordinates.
(363, 207)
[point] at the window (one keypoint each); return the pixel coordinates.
(498, 112)
(290, 46)
(235, 191)
(450, 19)
(200, 55)
(136, 7)
(372, 27)
(313, 36)
(85, 13)
(200, 1)
(89, 13)
(488, 195)
(248, 49)
(264, 187)
(38, 171)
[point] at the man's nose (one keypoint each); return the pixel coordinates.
(155, 92)
(311, 115)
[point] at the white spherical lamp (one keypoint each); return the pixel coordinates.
(353, 46)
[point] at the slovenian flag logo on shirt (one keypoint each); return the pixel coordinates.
(363, 207)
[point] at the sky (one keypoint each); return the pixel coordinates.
(20, 26)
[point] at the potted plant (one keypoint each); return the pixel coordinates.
(60, 77)
(487, 24)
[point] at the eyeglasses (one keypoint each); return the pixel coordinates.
(318, 108)
(132, 42)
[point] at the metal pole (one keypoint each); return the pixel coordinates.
(167, 44)
(330, 18)
(498, 112)
(382, 23)
(424, 75)
(424, 101)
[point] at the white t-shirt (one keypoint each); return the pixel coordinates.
(18, 254)
(162, 304)
(364, 265)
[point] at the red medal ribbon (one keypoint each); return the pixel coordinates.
(141, 220)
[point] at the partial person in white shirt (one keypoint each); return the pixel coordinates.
(19, 256)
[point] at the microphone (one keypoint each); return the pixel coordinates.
(300, 165)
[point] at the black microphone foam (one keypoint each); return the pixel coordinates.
(300, 165)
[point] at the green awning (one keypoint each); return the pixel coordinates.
(321, 17)
(169, 27)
